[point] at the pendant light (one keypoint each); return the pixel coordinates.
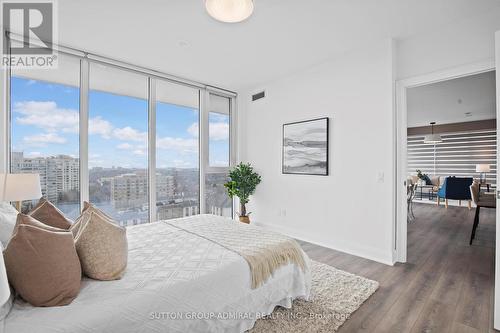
(432, 138)
(229, 11)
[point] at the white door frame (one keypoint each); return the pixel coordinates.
(496, 309)
(401, 126)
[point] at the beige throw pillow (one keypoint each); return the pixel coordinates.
(101, 246)
(47, 213)
(29, 220)
(89, 208)
(43, 266)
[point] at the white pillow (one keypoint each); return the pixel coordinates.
(8, 216)
(5, 292)
(5, 309)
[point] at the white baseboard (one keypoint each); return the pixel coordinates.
(357, 250)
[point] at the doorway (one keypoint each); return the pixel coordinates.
(405, 89)
(465, 147)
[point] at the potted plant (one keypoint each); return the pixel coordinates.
(423, 178)
(243, 182)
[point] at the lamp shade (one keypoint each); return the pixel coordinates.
(4, 284)
(19, 187)
(433, 138)
(483, 168)
(229, 11)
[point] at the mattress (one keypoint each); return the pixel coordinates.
(175, 282)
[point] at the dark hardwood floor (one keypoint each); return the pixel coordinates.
(446, 285)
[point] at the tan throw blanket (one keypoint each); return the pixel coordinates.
(265, 251)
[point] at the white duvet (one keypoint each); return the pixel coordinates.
(175, 282)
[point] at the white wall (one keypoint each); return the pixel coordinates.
(464, 42)
(448, 101)
(497, 247)
(352, 209)
(349, 210)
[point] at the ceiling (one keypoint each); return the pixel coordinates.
(451, 101)
(283, 36)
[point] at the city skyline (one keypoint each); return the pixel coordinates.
(123, 192)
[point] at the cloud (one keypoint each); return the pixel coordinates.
(179, 144)
(31, 82)
(194, 130)
(216, 117)
(130, 134)
(218, 130)
(125, 146)
(106, 130)
(165, 143)
(41, 140)
(135, 149)
(47, 115)
(140, 152)
(100, 127)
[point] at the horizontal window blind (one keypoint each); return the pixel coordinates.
(457, 155)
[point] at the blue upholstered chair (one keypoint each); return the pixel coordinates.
(456, 188)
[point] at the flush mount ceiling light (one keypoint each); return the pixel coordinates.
(432, 138)
(229, 11)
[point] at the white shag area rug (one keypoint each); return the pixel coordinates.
(335, 295)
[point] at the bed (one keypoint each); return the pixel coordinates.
(176, 281)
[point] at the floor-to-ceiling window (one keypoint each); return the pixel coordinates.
(132, 143)
(219, 132)
(45, 131)
(118, 143)
(177, 151)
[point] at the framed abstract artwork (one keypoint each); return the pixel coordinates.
(305, 147)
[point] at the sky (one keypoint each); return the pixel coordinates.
(45, 122)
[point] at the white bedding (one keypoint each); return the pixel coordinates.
(175, 282)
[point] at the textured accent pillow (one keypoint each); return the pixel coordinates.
(43, 266)
(29, 220)
(88, 207)
(8, 216)
(101, 245)
(47, 213)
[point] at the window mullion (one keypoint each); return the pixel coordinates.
(152, 148)
(5, 145)
(84, 131)
(203, 144)
(233, 144)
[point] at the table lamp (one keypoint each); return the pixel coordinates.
(4, 285)
(19, 187)
(482, 169)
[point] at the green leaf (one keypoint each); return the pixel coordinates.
(243, 183)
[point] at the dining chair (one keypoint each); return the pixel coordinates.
(486, 201)
(410, 195)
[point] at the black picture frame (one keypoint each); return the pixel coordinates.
(327, 162)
